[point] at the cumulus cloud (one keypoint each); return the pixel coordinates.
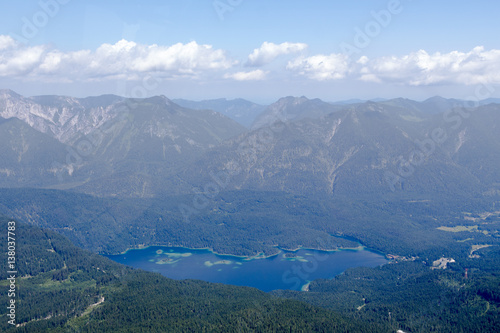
(6, 42)
(416, 69)
(247, 76)
(421, 68)
(124, 59)
(16, 60)
(127, 60)
(321, 67)
(270, 51)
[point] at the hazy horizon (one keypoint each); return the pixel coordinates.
(255, 50)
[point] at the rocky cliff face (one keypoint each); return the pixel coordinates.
(61, 117)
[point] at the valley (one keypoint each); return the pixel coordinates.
(194, 194)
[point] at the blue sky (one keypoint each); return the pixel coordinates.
(254, 49)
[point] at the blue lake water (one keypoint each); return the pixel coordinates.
(286, 270)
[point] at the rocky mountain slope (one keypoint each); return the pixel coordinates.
(370, 148)
(109, 145)
(27, 155)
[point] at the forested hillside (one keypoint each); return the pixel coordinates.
(61, 288)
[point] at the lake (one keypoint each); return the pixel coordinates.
(286, 270)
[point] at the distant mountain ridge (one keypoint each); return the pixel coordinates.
(365, 149)
(294, 108)
(113, 146)
(240, 110)
(432, 105)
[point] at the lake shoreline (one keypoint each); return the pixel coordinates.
(259, 255)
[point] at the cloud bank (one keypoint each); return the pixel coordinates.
(421, 68)
(127, 60)
(415, 69)
(123, 60)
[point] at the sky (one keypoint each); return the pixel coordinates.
(259, 50)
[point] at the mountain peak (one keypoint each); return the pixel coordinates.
(4, 93)
(294, 98)
(161, 99)
(289, 101)
(435, 99)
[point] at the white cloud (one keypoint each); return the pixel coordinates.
(18, 60)
(127, 60)
(270, 51)
(421, 68)
(247, 76)
(415, 69)
(123, 59)
(6, 42)
(363, 60)
(321, 67)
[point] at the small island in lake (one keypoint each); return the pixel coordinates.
(208, 263)
(166, 261)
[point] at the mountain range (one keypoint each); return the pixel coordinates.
(366, 149)
(109, 145)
